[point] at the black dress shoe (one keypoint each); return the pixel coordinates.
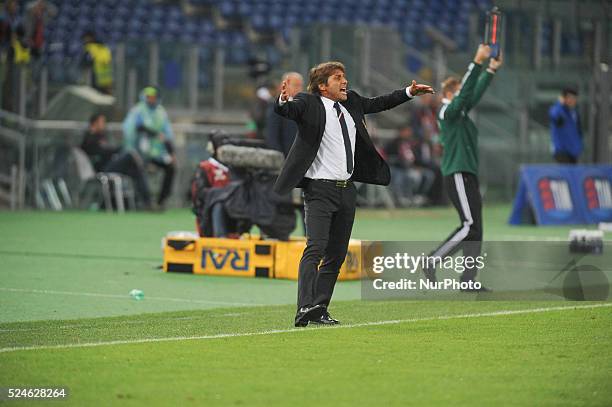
(308, 314)
(326, 319)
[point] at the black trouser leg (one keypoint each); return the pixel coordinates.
(464, 193)
(329, 218)
(128, 165)
(166, 188)
(337, 246)
(318, 209)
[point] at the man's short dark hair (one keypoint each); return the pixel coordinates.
(320, 73)
(569, 91)
(94, 117)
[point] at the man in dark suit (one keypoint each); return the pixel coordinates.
(280, 131)
(332, 149)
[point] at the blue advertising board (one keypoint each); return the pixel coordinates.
(563, 195)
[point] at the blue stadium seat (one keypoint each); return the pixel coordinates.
(275, 22)
(122, 11)
(188, 37)
(169, 37)
(258, 22)
(238, 56)
(115, 37)
(74, 48)
(222, 38)
(68, 11)
(204, 38)
(227, 8)
(245, 8)
(102, 23)
(294, 9)
(291, 20)
(175, 11)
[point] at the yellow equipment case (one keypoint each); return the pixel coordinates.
(246, 257)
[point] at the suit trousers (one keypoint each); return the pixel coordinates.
(329, 212)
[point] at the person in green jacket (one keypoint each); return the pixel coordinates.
(459, 137)
(147, 133)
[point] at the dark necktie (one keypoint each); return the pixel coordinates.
(347, 140)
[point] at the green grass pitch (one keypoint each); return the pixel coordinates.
(67, 320)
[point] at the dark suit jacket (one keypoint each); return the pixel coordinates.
(280, 131)
(308, 112)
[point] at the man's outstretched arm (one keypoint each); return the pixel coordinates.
(463, 98)
(386, 102)
(484, 80)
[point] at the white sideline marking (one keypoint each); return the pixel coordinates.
(124, 297)
(281, 331)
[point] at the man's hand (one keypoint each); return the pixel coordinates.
(496, 63)
(418, 89)
(483, 52)
(283, 95)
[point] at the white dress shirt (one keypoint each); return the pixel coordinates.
(330, 162)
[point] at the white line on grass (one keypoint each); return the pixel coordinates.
(282, 331)
(124, 297)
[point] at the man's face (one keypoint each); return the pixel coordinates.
(151, 100)
(570, 100)
(99, 125)
(295, 85)
(336, 86)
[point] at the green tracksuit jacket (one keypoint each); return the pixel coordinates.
(458, 133)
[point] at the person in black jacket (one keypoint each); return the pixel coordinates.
(280, 131)
(97, 145)
(332, 149)
(108, 158)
